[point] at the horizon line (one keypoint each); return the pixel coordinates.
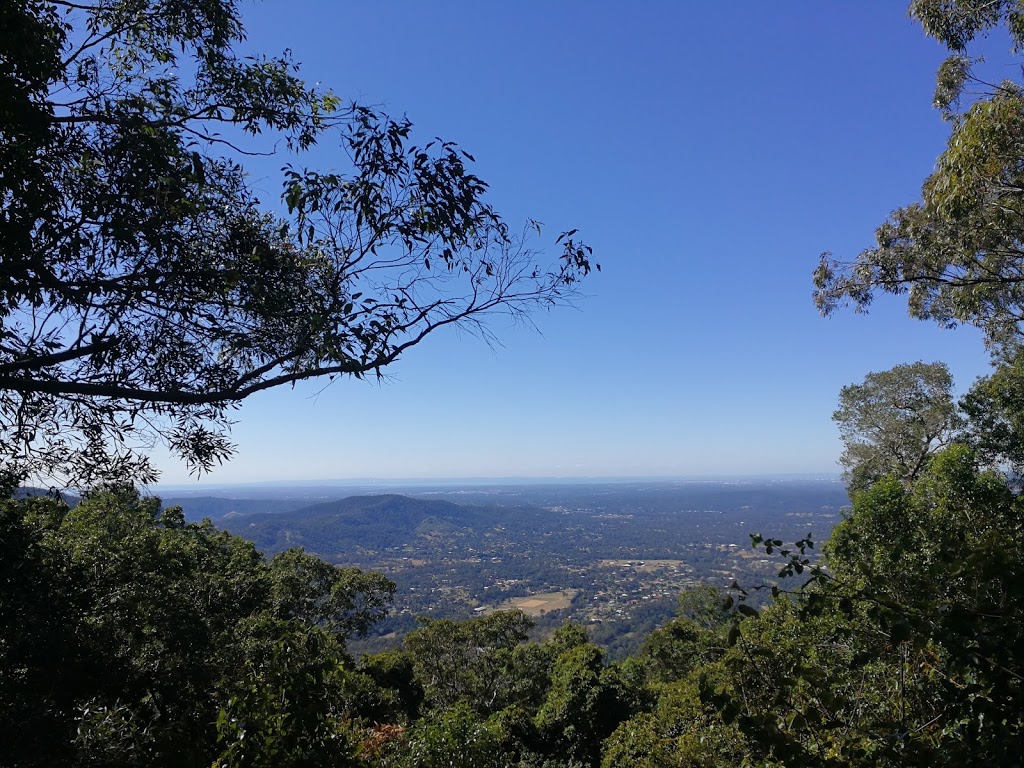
(495, 479)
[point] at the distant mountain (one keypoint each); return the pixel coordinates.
(359, 523)
(578, 525)
(217, 507)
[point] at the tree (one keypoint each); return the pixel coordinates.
(932, 565)
(393, 672)
(994, 408)
(937, 567)
(682, 730)
(453, 738)
(956, 254)
(343, 600)
(145, 290)
(894, 421)
(471, 661)
(128, 636)
(582, 706)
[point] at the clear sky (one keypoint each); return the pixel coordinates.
(708, 155)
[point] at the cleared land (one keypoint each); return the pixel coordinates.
(535, 605)
(647, 566)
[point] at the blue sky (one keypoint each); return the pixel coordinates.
(708, 155)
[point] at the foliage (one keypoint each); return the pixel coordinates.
(682, 730)
(941, 565)
(925, 574)
(583, 705)
(129, 636)
(475, 662)
(931, 563)
(345, 601)
(393, 671)
(286, 702)
(994, 408)
(145, 290)
(903, 649)
(530, 704)
(452, 739)
(956, 254)
(894, 421)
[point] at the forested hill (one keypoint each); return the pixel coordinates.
(196, 508)
(584, 522)
(360, 523)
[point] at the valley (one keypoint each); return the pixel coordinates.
(611, 556)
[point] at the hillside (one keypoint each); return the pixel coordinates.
(217, 507)
(342, 528)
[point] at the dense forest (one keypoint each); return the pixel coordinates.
(144, 293)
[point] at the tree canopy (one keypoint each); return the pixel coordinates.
(145, 289)
(129, 636)
(895, 421)
(956, 254)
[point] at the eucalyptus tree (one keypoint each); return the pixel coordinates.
(146, 290)
(957, 254)
(895, 421)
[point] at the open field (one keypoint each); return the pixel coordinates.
(535, 605)
(647, 566)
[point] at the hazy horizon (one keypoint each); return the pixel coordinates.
(385, 482)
